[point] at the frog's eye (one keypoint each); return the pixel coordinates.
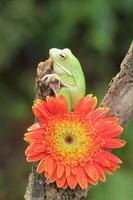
(63, 55)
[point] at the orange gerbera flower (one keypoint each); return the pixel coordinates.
(73, 147)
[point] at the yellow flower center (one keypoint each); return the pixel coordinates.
(69, 138)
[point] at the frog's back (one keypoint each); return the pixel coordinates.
(78, 91)
(78, 75)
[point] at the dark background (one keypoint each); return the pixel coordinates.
(99, 33)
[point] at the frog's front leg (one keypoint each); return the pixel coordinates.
(66, 93)
(52, 81)
(50, 77)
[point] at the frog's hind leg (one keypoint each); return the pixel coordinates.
(66, 93)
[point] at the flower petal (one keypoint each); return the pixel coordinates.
(111, 169)
(41, 111)
(91, 171)
(72, 182)
(112, 157)
(103, 160)
(52, 168)
(57, 105)
(61, 181)
(114, 143)
(47, 163)
(30, 149)
(91, 181)
(50, 165)
(36, 136)
(40, 148)
(35, 157)
(97, 114)
(110, 130)
(81, 177)
(65, 185)
(40, 167)
(102, 123)
(101, 174)
(107, 170)
(52, 105)
(63, 107)
(85, 105)
(34, 127)
(67, 170)
(60, 170)
(53, 178)
(74, 170)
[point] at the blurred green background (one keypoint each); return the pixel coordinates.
(99, 33)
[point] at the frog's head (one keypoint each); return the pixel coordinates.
(62, 60)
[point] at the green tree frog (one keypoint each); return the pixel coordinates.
(69, 73)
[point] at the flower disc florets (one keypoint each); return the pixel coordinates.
(73, 147)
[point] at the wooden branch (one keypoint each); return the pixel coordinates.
(119, 97)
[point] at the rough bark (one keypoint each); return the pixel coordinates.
(119, 97)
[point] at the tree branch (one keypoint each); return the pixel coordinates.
(119, 97)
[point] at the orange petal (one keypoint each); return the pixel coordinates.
(35, 136)
(52, 166)
(36, 157)
(47, 162)
(53, 178)
(100, 172)
(74, 170)
(91, 181)
(91, 105)
(98, 113)
(61, 181)
(65, 185)
(103, 160)
(91, 171)
(114, 143)
(114, 166)
(40, 167)
(41, 112)
(56, 105)
(110, 131)
(72, 182)
(111, 169)
(108, 120)
(86, 104)
(112, 119)
(63, 107)
(112, 157)
(67, 170)
(30, 149)
(83, 101)
(60, 170)
(81, 178)
(34, 127)
(107, 170)
(52, 105)
(40, 148)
